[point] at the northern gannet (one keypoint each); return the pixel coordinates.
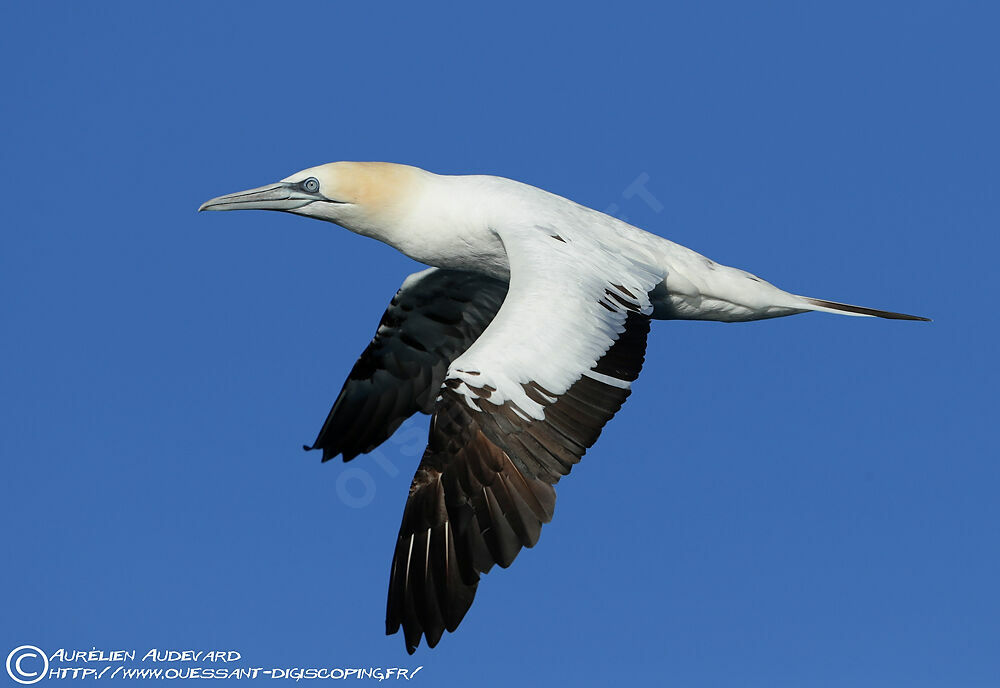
(522, 340)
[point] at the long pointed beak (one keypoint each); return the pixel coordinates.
(281, 196)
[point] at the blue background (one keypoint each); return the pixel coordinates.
(803, 502)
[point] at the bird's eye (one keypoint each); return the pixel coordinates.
(311, 185)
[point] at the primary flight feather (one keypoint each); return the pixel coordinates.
(521, 340)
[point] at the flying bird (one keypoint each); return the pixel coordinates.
(521, 340)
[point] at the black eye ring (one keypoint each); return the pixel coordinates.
(311, 185)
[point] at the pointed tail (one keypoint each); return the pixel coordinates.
(847, 309)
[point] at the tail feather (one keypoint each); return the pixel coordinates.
(847, 309)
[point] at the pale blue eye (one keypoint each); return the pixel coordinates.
(311, 185)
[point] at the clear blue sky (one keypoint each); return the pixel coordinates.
(803, 502)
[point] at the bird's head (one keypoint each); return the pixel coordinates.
(370, 198)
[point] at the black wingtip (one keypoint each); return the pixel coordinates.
(327, 454)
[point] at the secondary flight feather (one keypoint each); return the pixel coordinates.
(522, 341)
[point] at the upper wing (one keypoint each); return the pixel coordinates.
(516, 411)
(431, 320)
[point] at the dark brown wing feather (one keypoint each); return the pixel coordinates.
(428, 324)
(485, 487)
